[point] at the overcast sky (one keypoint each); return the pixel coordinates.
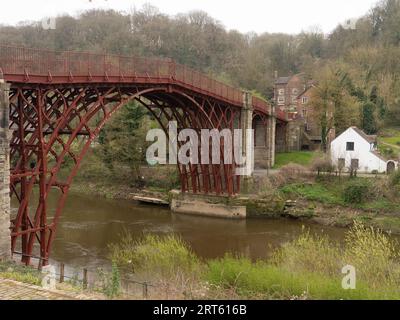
(288, 16)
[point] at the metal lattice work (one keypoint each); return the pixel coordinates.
(61, 100)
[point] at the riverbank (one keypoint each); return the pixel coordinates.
(291, 193)
(308, 268)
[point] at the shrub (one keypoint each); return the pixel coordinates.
(111, 282)
(260, 186)
(157, 256)
(356, 192)
(322, 164)
(309, 253)
(394, 179)
(373, 254)
(289, 174)
(388, 152)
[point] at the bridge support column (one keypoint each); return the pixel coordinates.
(271, 133)
(5, 241)
(246, 123)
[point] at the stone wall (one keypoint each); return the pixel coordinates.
(280, 138)
(5, 249)
(294, 135)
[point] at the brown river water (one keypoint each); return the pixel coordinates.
(88, 225)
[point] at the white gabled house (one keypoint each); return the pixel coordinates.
(357, 150)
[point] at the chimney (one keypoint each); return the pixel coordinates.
(276, 75)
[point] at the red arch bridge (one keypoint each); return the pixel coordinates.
(58, 98)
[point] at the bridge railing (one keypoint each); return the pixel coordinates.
(263, 106)
(38, 62)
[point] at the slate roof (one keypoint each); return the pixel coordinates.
(369, 138)
(283, 80)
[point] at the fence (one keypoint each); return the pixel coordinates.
(38, 62)
(93, 280)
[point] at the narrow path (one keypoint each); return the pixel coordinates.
(390, 145)
(13, 290)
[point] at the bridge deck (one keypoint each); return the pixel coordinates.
(37, 66)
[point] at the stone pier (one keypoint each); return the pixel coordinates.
(5, 249)
(246, 123)
(271, 133)
(264, 149)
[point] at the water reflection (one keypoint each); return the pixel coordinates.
(88, 225)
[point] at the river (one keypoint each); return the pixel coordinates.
(89, 224)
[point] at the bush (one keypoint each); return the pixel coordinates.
(156, 256)
(374, 255)
(322, 164)
(290, 173)
(310, 253)
(356, 192)
(388, 152)
(111, 282)
(394, 179)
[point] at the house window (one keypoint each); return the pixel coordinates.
(350, 146)
(341, 163)
(294, 100)
(281, 92)
(295, 91)
(281, 100)
(304, 100)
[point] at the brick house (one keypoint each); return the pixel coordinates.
(286, 92)
(294, 94)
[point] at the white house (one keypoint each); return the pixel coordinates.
(357, 150)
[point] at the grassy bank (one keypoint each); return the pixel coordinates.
(339, 201)
(13, 271)
(333, 199)
(307, 268)
(303, 158)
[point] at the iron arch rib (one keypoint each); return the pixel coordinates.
(58, 110)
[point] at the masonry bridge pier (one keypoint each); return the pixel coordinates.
(50, 100)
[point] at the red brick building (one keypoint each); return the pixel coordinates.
(286, 92)
(294, 95)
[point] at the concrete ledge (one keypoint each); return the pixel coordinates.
(150, 200)
(207, 206)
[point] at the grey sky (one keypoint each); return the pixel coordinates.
(288, 16)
